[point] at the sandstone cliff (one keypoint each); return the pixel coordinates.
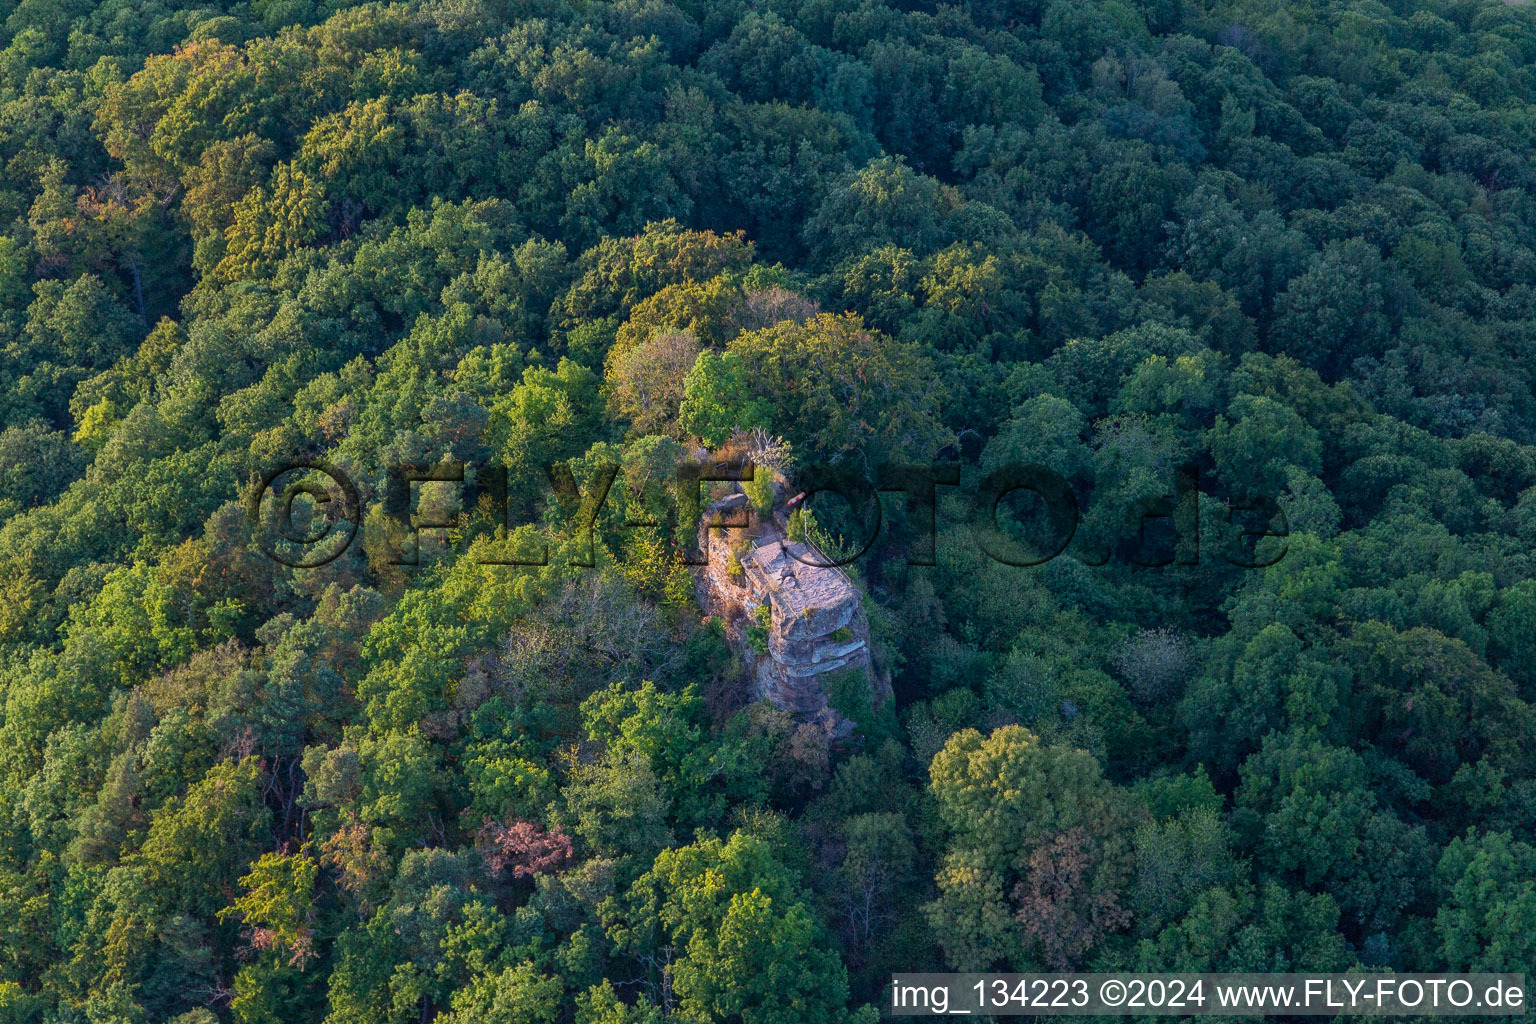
(815, 623)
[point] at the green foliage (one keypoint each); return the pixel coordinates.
(800, 523)
(279, 904)
(758, 628)
(1023, 815)
(760, 490)
(837, 387)
(1484, 922)
(716, 402)
(749, 948)
(1292, 246)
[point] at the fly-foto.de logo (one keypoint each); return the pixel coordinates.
(307, 513)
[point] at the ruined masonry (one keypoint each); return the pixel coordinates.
(817, 616)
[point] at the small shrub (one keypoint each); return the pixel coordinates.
(799, 520)
(757, 629)
(760, 490)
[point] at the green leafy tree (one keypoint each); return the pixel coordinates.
(1037, 858)
(737, 943)
(1483, 924)
(716, 401)
(839, 388)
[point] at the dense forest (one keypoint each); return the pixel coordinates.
(1291, 246)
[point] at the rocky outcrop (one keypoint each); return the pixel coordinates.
(815, 621)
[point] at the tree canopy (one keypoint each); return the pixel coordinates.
(1255, 282)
